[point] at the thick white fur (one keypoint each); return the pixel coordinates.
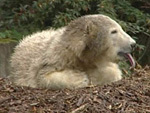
(77, 55)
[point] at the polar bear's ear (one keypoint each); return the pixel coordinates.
(91, 29)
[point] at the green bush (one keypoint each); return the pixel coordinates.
(57, 13)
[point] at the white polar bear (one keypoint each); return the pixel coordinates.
(80, 54)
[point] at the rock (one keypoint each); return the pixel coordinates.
(6, 49)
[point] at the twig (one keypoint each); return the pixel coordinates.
(80, 109)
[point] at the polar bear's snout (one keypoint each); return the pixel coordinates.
(133, 46)
(127, 49)
(132, 42)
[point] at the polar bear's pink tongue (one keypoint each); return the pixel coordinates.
(129, 56)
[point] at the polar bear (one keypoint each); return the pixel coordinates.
(83, 53)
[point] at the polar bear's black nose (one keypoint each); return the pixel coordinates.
(133, 46)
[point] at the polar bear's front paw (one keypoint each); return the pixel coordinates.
(65, 79)
(83, 82)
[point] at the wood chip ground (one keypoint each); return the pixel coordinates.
(130, 95)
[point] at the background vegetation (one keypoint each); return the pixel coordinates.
(21, 17)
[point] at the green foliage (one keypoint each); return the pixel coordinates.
(54, 13)
(13, 34)
(57, 13)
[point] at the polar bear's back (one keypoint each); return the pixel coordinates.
(28, 51)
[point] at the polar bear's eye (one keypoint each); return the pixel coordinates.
(114, 31)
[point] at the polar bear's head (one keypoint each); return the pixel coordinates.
(98, 35)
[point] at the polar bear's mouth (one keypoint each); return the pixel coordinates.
(129, 57)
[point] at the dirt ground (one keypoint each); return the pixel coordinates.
(130, 95)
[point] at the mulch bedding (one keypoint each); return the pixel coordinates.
(130, 95)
